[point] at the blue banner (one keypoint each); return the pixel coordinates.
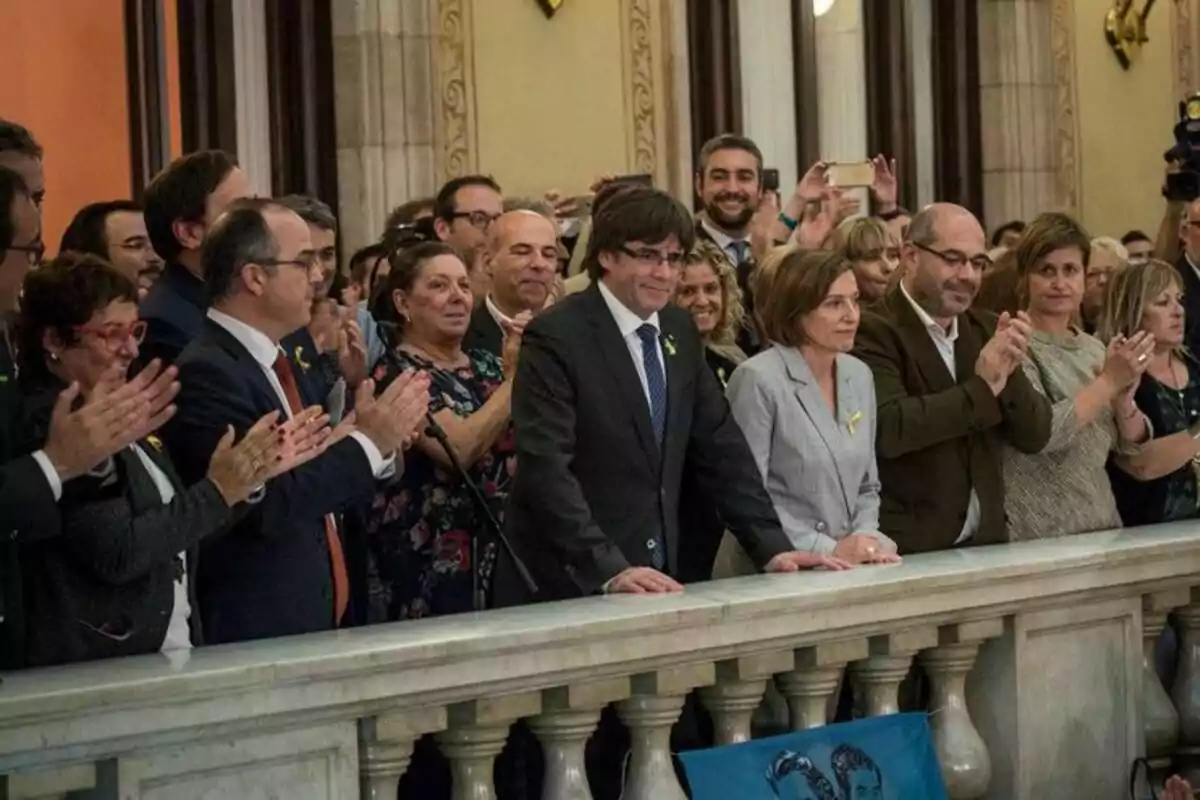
(879, 758)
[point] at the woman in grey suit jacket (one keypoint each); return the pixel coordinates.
(807, 409)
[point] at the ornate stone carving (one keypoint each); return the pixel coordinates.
(639, 38)
(456, 88)
(1183, 41)
(1062, 38)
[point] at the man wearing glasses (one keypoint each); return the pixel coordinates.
(950, 390)
(463, 211)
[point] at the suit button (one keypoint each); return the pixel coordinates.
(820, 527)
(651, 544)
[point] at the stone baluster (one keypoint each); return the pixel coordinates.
(962, 753)
(385, 745)
(738, 691)
(476, 734)
(1160, 721)
(889, 658)
(649, 714)
(569, 716)
(810, 686)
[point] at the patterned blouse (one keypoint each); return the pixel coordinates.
(425, 534)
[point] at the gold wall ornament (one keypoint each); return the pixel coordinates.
(550, 6)
(1125, 29)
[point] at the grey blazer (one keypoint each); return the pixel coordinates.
(820, 471)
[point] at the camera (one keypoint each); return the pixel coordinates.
(1185, 185)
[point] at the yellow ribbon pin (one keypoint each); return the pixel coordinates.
(853, 421)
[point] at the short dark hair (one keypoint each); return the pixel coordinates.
(1016, 226)
(181, 191)
(847, 758)
(637, 214)
(311, 210)
(407, 213)
(405, 268)
(12, 185)
(801, 283)
(445, 205)
(239, 237)
(16, 138)
(728, 141)
(85, 234)
(365, 256)
(61, 295)
(1135, 236)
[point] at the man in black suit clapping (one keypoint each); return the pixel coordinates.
(612, 403)
(281, 570)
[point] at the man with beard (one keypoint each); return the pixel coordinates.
(950, 390)
(729, 183)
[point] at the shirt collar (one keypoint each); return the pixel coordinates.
(501, 318)
(930, 324)
(722, 239)
(627, 321)
(257, 343)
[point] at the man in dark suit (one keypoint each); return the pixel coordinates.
(612, 402)
(950, 391)
(1189, 273)
(182, 202)
(522, 259)
(282, 569)
(78, 440)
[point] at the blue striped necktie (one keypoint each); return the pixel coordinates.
(656, 383)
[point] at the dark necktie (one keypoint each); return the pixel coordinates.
(656, 383)
(341, 578)
(740, 251)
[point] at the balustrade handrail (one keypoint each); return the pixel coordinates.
(73, 711)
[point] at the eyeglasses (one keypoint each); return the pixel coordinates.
(957, 259)
(649, 257)
(114, 334)
(478, 219)
(33, 252)
(307, 263)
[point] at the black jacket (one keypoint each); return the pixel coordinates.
(484, 333)
(174, 314)
(592, 488)
(105, 586)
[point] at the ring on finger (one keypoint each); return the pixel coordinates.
(1142, 358)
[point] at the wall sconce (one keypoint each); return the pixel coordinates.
(1125, 29)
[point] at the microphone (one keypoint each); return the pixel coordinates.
(435, 431)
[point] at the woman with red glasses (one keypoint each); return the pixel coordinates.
(115, 581)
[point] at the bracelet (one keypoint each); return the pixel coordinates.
(888, 216)
(791, 224)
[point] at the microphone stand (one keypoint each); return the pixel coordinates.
(436, 431)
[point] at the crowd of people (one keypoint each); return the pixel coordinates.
(211, 433)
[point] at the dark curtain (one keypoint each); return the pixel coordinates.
(145, 87)
(208, 113)
(714, 75)
(958, 152)
(300, 77)
(805, 76)
(889, 91)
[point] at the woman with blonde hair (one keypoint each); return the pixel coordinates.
(1159, 484)
(708, 290)
(1062, 490)
(1109, 256)
(873, 252)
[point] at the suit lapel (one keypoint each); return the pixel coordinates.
(966, 347)
(918, 342)
(673, 363)
(251, 369)
(618, 359)
(823, 419)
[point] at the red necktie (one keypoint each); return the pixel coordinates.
(341, 579)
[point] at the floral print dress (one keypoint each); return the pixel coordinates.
(426, 537)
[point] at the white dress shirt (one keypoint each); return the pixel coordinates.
(725, 241)
(628, 324)
(944, 341)
(501, 318)
(264, 351)
(179, 635)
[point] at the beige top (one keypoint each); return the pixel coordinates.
(1064, 489)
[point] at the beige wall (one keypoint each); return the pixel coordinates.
(549, 94)
(1124, 122)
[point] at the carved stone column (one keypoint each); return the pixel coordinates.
(962, 753)
(569, 716)
(649, 714)
(810, 685)
(878, 676)
(739, 691)
(385, 745)
(476, 734)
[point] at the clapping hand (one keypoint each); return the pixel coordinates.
(391, 419)
(1176, 788)
(352, 352)
(885, 187)
(1127, 359)
(513, 330)
(1005, 351)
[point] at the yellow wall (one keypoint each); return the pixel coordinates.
(549, 94)
(1124, 123)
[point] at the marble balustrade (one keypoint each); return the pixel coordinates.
(1037, 657)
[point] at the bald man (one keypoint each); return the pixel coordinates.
(522, 257)
(949, 389)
